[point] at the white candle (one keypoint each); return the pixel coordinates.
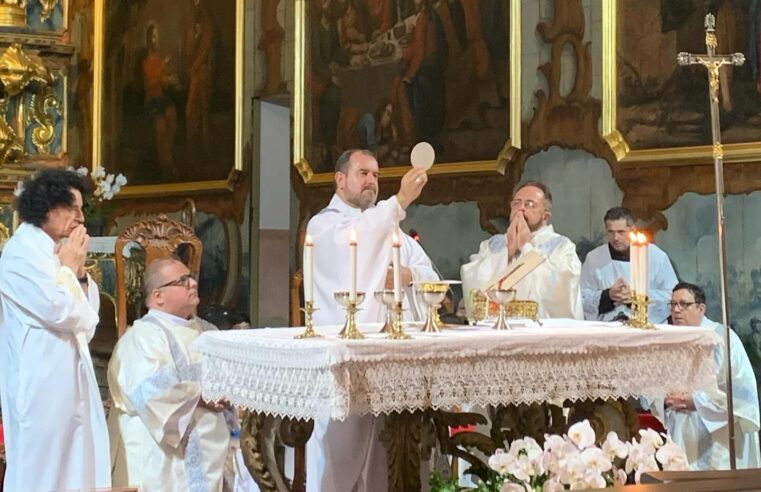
(642, 282)
(395, 247)
(633, 262)
(353, 266)
(308, 269)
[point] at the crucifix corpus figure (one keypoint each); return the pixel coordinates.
(712, 62)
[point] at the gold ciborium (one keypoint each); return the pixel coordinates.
(501, 297)
(350, 331)
(386, 297)
(433, 294)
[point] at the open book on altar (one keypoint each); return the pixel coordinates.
(515, 271)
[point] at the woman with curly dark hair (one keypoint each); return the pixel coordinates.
(55, 429)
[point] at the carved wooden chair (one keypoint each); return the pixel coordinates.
(138, 246)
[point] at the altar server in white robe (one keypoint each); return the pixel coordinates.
(554, 284)
(605, 274)
(698, 421)
(347, 455)
(55, 427)
(164, 436)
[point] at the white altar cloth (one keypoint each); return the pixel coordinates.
(268, 371)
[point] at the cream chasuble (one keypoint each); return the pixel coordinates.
(161, 439)
(55, 428)
(554, 285)
(702, 433)
(330, 230)
(347, 455)
(600, 271)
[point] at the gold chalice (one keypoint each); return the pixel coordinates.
(350, 331)
(501, 297)
(433, 294)
(386, 297)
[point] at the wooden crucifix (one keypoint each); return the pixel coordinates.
(713, 62)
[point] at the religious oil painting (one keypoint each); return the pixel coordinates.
(46, 15)
(169, 91)
(386, 74)
(658, 104)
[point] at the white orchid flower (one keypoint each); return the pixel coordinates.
(82, 171)
(98, 173)
(613, 447)
(595, 459)
(108, 195)
(500, 461)
(514, 487)
(649, 437)
(671, 456)
(110, 178)
(120, 180)
(582, 434)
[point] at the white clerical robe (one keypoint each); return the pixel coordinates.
(347, 455)
(330, 230)
(703, 432)
(55, 427)
(161, 440)
(554, 284)
(600, 271)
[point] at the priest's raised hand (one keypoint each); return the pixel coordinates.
(411, 186)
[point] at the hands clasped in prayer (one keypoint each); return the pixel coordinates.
(73, 251)
(619, 292)
(518, 233)
(680, 402)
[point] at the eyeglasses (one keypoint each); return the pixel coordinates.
(681, 305)
(183, 281)
(530, 204)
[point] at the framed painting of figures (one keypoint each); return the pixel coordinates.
(386, 74)
(47, 16)
(168, 93)
(657, 112)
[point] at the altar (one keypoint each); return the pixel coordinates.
(418, 383)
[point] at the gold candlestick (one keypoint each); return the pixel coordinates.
(638, 318)
(350, 330)
(397, 331)
(309, 332)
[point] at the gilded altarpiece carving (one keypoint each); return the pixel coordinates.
(34, 73)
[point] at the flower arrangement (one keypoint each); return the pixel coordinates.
(572, 462)
(104, 187)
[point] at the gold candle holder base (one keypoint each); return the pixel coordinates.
(350, 330)
(638, 318)
(308, 332)
(397, 330)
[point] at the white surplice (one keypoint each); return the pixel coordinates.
(161, 439)
(347, 455)
(703, 432)
(55, 428)
(330, 230)
(600, 271)
(554, 284)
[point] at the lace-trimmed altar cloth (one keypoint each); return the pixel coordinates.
(268, 371)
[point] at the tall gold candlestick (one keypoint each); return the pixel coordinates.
(397, 333)
(309, 332)
(639, 313)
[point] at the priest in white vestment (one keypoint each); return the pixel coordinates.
(347, 455)
(698, 421)
(164, 436)
(53, 419)
(605, 275)
(554, 284)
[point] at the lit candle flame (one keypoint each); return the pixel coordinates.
(395, 240)
(641, 238)
(308, 241)
(353, 237)
(633, 237)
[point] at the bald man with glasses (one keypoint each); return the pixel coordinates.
(554, 284)
(698, 421)
(164, 436)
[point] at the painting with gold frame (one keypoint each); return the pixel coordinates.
(167, 92)
(363, 79)
(656, 112)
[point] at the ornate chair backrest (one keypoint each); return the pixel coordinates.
(156, 238)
